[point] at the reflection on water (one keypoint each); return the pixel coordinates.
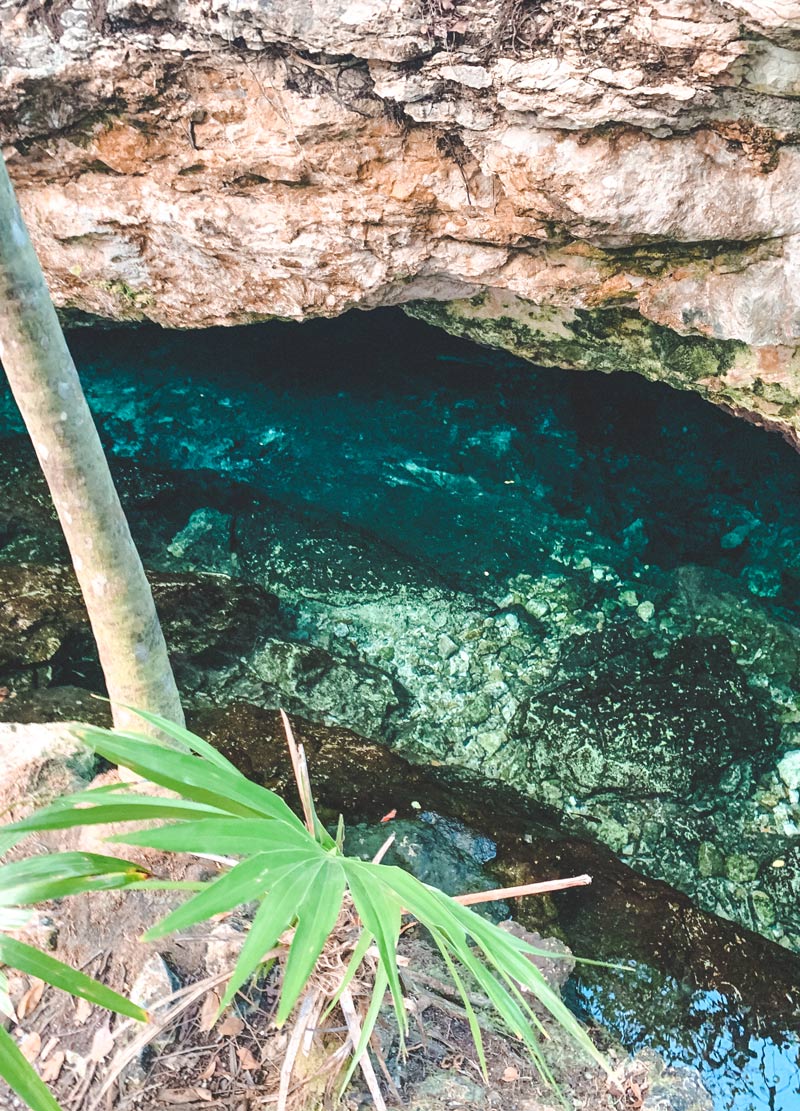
(742, 1068)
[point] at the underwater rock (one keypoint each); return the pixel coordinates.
(789, 769)
(476, 580)
(211, 621)
(779, 882)
(614, 718)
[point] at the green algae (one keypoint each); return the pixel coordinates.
(606, 340)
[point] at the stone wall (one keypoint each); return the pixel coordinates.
(608, 185)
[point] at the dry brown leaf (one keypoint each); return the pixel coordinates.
(30, 1045)
(30, 1000)
(83, 1008)
(246, 1058)
(208, 1011)
(209, 1070)
(48, 1048)
(102, 1043)
(510, 1074)
(51, 1069)
(184, 1095)
(231, 1027)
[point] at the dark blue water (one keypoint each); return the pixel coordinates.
(471, 459)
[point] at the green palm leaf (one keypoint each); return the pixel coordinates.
(299, 880)
(249, 880)
(39, 878)
(31, 961)
(189, 776)
(22, 1077)
(99, 807)
(316, 911)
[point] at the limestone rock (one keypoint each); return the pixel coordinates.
(616, 190)
(789, 769)
(39, 762)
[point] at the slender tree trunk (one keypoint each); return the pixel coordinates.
(46, 387)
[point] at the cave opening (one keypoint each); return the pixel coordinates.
(584, 588)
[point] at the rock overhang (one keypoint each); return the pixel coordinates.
(607, 187)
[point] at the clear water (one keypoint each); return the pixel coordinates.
(476, 468)
(470, 460)
(742, 1067)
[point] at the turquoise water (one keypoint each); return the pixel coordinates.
(468, 459)
(436, 467)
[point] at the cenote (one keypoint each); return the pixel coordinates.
(580, 591)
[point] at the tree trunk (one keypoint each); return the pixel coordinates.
(46, 387)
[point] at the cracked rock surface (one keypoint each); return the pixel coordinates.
(605, 185)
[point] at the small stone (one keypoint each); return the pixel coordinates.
(740, 868)
(763, 908)
(340, 630)
(789, 770)
(628, 598)
(710, 860)
(738, 535)
(762, 582)
(491, 741)
(646, 611)
(537, 607)
(155, 982)
(447, 646)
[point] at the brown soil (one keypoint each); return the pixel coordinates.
(86, 1055)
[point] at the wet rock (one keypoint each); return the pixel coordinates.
(741, 869)
(210, 623)
(205, 542)
(618, 718)
(432, 851)
(556, 969)
(710, 861)
(673, 1089)
(789, 769)
(763, 908)
(305, 678)
(779, 881)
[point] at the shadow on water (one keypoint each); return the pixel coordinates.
(474, 456)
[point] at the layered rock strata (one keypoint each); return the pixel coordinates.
(607, 186)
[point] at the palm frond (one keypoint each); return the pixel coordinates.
(303, 885)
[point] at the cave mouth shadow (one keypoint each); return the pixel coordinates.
(405, 419)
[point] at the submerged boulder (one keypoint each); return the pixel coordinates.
(45, 638)
(618, 719)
